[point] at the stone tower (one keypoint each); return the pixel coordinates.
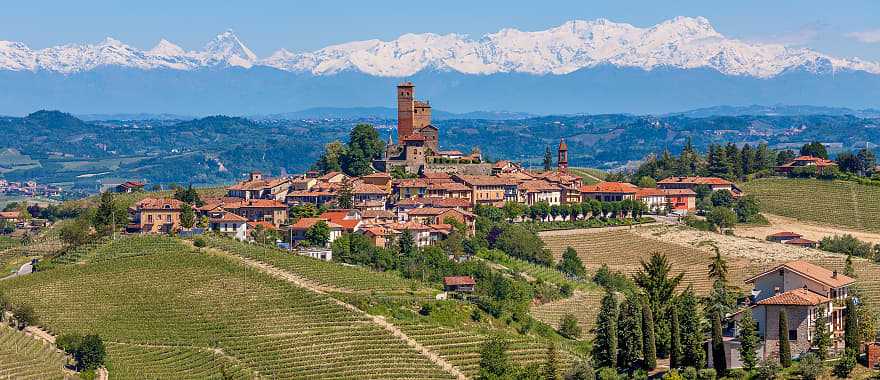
(562, 160)
(404, 110)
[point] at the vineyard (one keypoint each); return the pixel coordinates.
(840, 203)
(340, 276)
(583, 305)
(589, 176)
(23, 357)
(197, 315)
(131, 245)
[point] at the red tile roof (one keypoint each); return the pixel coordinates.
(483, 180)
(796, 297)
(10, 214)
(265, 224)
(259, 185)
(801, 241)
(458, 280)
(436, 175)
(158, 204)
(535, 186)
(695, 181)
(785, 234)
(255, 203)
(825, 276)
(610, 187)
(229, 217)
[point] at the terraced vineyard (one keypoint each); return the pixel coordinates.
(132, 245)
(839, 203)
(349, 278)
(201, 314)
(462, 348)
(623, 251)
(23, 357)
(584, 305)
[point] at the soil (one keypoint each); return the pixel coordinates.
(811, 231)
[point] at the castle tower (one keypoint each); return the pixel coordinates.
(405, 94)
(562, 160)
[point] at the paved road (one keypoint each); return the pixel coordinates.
(25, 269)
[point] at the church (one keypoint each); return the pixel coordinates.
(418, 141)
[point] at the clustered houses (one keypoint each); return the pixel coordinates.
(28, 189)
(806, 162)
(805, 292)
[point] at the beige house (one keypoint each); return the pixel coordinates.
(258, 188)
(156, 215)
(485, 190)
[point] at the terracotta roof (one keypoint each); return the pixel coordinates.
(229, 217)
(448, 186)
(306, 223)
(785, 234)
(813, 272)
(410, 182)
(419, 103)
(10, 214)
(312, 193)
(610, 187)
(680, 192)
(651, 192)
(370, 214)
(376, 231)
(695, 181)
(158, 204)
(501, 164)
(448, 202)
(378, 175)
(132, 184)
(437, 175)
(412, 226)
(341, 218)
(259, 185)
(256, 203)
(458, 280)
(427, 211)
(538, 186)
(366, 188)
(329, 176)
(797, 297)
(800, 241)
(483, 180)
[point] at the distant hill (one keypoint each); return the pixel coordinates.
(387, 113)
(777, 110)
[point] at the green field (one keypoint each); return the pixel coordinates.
(172, 311)
(23, 357)
(840, 203)
(590, 176)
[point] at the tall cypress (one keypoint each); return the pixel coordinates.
(649, 346)
(851, 333)
(748, 337)
(629, 334)
(605, 343)
(719, 359)
(693, 340)
(784, 344)
(674, 339)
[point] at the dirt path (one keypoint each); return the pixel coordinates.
(103, 374)
(812, 231)
(379, 320)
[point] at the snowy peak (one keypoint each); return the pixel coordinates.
(681, 42)
(227, 49)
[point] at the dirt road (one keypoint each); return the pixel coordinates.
(812, 231)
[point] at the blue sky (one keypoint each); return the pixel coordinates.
(831, 27)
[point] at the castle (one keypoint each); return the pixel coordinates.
(418, 141)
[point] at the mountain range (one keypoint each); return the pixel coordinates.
(579, 66)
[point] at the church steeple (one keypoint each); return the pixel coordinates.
(562, 156)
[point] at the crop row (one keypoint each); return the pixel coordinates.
(23, 357)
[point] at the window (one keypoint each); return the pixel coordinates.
(792, 334)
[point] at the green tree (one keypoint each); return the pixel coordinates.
(649, 344)
(568, 326)
(91, 353)
(406, 244)
(814, 149)
(551, 364)
(581, 370)
(722, 198)
(852, 337)
(719, 359)
(675, 351)
(187, 216)
(822, 336)
(345, 197)
(784, 345)
(629, 334)
(494, 363)
(692, 338)
(318, 234)
(846, 364)
(571, 264)
(656, 280)
(110, 216)
(646, 182)
(4, 306)
(513, 210)
(307, 210)
(548, 159)
(329, 161)
(364, 145)
(24, 316)
(749, 340)
(188, 195)
(747, 208)
(605, 343)
(722, 217)
(810, 366)
(76, 232)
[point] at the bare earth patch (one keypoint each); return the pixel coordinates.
(812, 231)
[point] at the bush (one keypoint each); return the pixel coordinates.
(672, 374)
(582, 370)
(690, 373)
(568, 327)
(88, 351)
(24, 316)
(606, 373)
(810, 366)
(427, 309)
(737, 374)
(768, 369)
(845, 365)
(707, 374)
(200, 242)
(639, 374)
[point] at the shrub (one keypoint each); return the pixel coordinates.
(690, 373)
(707, 374)
(24, 316)
(427, 309)
(810, 366)
(845, 365)
(607, 373)
(568, 327)
(582, 370)
(737, 374)
(200, 242)
(769, 369)
(639, 374)
(672, 374)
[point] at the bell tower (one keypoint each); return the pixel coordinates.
(404, 110)
(562, 158)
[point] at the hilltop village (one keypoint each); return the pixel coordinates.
(445, 250)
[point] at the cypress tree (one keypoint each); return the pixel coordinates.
(851, 329)
(822, 337)
(784, 344)
(719, 360)
(692, 339)
(629, 334)
(649, 346)
(674, 339)
(605, 343)
(748, 337)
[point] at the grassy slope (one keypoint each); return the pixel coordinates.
(840, 203)
(589, 175)
(201, 314)
(23, 357)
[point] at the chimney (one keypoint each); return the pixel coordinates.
(834, 274)
(256, 176)
(776, 290)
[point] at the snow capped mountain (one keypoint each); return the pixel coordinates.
(683, 43)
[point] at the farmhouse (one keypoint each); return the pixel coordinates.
(228, 224)
(691, 183)
(155, 215)
(258, 188)
(129, 187)
(820, 164)
(464, 284)
(609, 191)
